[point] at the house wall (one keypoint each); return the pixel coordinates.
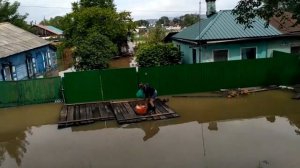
(44, 59)
(264, 49)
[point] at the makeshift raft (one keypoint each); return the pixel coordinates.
(122, 112)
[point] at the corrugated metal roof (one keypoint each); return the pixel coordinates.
(223, 26)
(51, 29)
(15, 40)
(55, 30)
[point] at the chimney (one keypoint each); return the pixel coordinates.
(211, 7)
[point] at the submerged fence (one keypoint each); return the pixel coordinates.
(14, 93)
(90, 86)
(103, 85)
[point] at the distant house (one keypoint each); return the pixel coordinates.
(220, 38)
(48, 32)
(23, 55)
(288, 28)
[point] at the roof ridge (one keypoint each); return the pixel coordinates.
(210, 24)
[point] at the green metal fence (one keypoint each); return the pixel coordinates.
(282, 69)
(35, 91)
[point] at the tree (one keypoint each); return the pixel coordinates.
(176, 21)
(96, 16)
(247, 10)
(9, 13)
(165, 21)
(142, 23)
(57, 21)
(156, 35)
(149, 55)
(94, 52)
(188, 20)
(108, 4)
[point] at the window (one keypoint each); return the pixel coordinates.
(248, 53)
(295, 50)
(194, 56)
(220, 55)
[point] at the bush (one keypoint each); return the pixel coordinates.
(149, 55)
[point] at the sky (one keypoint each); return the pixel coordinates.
(141, 9)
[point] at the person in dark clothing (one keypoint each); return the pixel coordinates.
(150, 95)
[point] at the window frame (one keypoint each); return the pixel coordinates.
(213, 54)
(241, 51)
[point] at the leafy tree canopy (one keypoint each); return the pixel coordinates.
(165, 21)
(247, 10)
(142, 23)
(57, 21)
(156, 35)
(149, 55)
(108, 4)
(94, 52)
(9, 13)
(188, 20)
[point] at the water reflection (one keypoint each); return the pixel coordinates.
(15, 145)
(271, 119)
(16, 124)
(213, 126)
(206, 127)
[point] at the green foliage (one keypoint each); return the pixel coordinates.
(94, 51)
(57, 21)
(149, 55)
(156, 35)
(188, 20)
(9, 13)
(165, 21)
(142, 23)
(247, 10)
(108, 4)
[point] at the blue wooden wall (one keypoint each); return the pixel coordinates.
(44, 59)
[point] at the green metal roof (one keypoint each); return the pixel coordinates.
(223, 26)
(55, 30)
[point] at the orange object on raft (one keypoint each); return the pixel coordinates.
(141, 109)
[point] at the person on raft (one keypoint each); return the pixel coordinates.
(150, 95)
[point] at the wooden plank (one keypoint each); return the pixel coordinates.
(77, 112)
(109, 110)
(63, 114)
(95, 111)
(130, 110)
(103, 112)
(89, 114)
(117, 112)
(70, 116)
(83, 112)
(125, 113)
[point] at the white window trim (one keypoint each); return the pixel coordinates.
(213, 55)
(241, 57)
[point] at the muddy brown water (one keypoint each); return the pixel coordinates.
(260, 130)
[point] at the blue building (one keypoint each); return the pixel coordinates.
(24, 55)
(220, 38)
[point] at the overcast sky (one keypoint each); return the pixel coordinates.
(141, 9)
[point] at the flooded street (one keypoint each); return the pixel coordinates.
(261, 130)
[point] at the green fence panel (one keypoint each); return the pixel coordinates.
(30, 91)
(39, 90)
(9, 95)
(82, 87)
(283, 69)
(119, 83)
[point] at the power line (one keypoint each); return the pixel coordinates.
(150, 11)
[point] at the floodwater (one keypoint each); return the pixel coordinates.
(261, 130)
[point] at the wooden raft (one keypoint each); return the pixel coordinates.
(72, 115)
(124, 112)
